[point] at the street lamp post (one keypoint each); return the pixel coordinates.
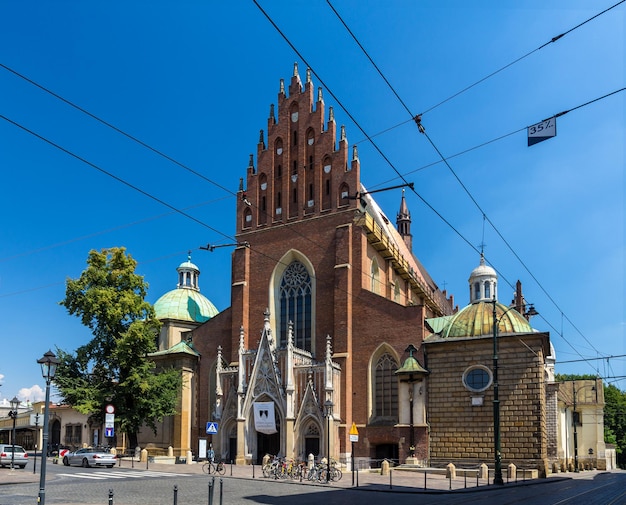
(411, 372)
(15, 403)
(329, 413)
(48, 364)
(497, 476)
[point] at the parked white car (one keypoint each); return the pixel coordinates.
(90, 457)
(19, 459)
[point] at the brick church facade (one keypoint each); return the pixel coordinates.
(335, 323)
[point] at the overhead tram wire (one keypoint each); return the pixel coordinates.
(551, 41)
(96, 234)
(496, 139)
(423, 131)
(113, 176)
(467, 88)
(139, 190)
(135, 139)
(357, 124)
(125, 134)
(115, 128)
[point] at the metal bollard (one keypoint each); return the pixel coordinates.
(450, 480)
(231, 467)
(425, 474)
(211, 484)
(465, 483)
(175, 495)
(357, 477)
(110, 497)
(390, 479)
(253, 470)
(221, 490)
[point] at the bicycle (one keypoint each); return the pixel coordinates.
(211, 467)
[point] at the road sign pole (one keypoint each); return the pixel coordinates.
(352, 459)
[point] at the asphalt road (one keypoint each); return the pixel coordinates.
(156, 486)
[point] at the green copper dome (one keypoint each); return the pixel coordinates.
(477, 320)
(185, 303)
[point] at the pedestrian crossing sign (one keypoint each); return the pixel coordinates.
(211, 428)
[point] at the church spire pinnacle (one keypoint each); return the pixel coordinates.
(403, 223)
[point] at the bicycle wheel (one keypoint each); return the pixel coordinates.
(206, 468)
(335, 474)
(220, 468)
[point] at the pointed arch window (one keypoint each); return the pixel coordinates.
(295, 305)
(375, 276)
(386, 389)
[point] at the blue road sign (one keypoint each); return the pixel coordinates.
(211, 428)
(109, 432)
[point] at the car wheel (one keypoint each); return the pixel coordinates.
(22, 466)
(110, 466)
(66, 461)
(85, 463)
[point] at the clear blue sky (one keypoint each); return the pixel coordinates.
(195, 80)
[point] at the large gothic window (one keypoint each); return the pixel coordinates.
(385, 389)
(295, 305)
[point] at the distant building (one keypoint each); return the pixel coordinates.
(581, 426)
(67, 428)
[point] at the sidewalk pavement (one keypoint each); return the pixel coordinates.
(398, 480)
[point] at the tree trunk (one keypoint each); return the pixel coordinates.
(132, 440)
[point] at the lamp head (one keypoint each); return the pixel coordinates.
(15, 403)
(48, 364)
(531, 311)
(329, 406)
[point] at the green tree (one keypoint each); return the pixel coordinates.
(114, 366)
(615, 421)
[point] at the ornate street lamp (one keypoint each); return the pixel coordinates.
(329, 413)
(497, 477)
(15, 403)
(411, 372)
(48, 364)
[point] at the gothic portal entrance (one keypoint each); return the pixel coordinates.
(267, 444)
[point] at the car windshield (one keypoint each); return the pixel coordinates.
(17, 448)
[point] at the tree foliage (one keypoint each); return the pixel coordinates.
(114, 366)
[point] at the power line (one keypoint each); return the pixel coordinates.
(467, 88)
(113, 176)
(551, 41)
(98, 233)
(115, 128)
(594, 359)
(158, 200)
(423, 131)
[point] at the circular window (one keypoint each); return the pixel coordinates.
(477, 378)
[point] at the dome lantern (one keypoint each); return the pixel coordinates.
(483, 283)
(188, 274)
(185, 303)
